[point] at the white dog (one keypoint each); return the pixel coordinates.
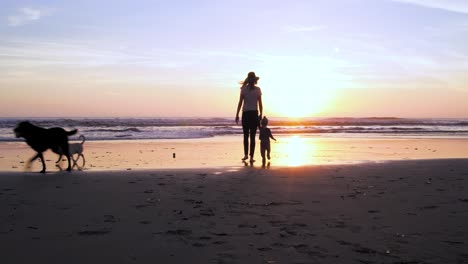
(74, 148)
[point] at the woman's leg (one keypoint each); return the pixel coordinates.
(245, 130)
(253, 132)
(249, 127)
(246, 140)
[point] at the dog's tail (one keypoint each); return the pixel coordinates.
(71, 133)
(82, 139)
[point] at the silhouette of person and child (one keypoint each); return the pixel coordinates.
(250, 101)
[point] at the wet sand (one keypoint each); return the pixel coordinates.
(340, 201)
(226, 152)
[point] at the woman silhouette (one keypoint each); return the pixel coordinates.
(251, 99)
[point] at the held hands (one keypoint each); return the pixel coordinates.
(237, 119)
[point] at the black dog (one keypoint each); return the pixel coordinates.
(40, 139)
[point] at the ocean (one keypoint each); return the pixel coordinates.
(187, 128)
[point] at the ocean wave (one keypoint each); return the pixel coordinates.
(185, 128)
(116, 130)
(227, 122)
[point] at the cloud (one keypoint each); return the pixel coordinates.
(303, 28)
(458, 6)
(87, 56)
(26, 15)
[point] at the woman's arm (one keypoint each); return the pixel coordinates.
(239, 105)
(260, 107)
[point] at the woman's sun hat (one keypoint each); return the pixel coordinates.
(251, 77)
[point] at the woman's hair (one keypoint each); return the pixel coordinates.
(250, 81)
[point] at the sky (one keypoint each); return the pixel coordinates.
(331, 58)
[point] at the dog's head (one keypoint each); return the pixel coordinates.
(23, 129)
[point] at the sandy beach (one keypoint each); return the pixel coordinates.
(356, 201)
(225, 152)
(364, 103)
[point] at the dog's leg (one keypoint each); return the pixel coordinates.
(59, 158)
(66, 150)
(39, 155)
(28, 164)
(82, 156)
(75, 160)
(43, 163)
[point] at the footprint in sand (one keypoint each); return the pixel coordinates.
(220, 234)
(454, 242)
(246, 226)
(263, 249)
(429, 207)
(179, 232)
(197, 244)
(94, 232)
(110, 219)
(139, 206)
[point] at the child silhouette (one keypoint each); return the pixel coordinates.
(265, 135)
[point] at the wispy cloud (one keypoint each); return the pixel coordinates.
(26, 15)
(459, 6)
(68, 53)
(298, 28)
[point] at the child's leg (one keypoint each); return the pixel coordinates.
(268, 151)
(262, 150)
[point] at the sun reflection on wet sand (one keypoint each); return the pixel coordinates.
(225, 153)
(294, 151)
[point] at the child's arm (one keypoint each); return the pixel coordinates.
(271, 136)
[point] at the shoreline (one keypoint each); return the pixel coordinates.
(226, 151)
(225, 169)
(411, 211)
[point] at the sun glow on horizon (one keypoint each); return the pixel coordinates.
(315, 59)
(299, 88)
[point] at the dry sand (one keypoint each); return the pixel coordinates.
(320, 200)
(392, 212)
